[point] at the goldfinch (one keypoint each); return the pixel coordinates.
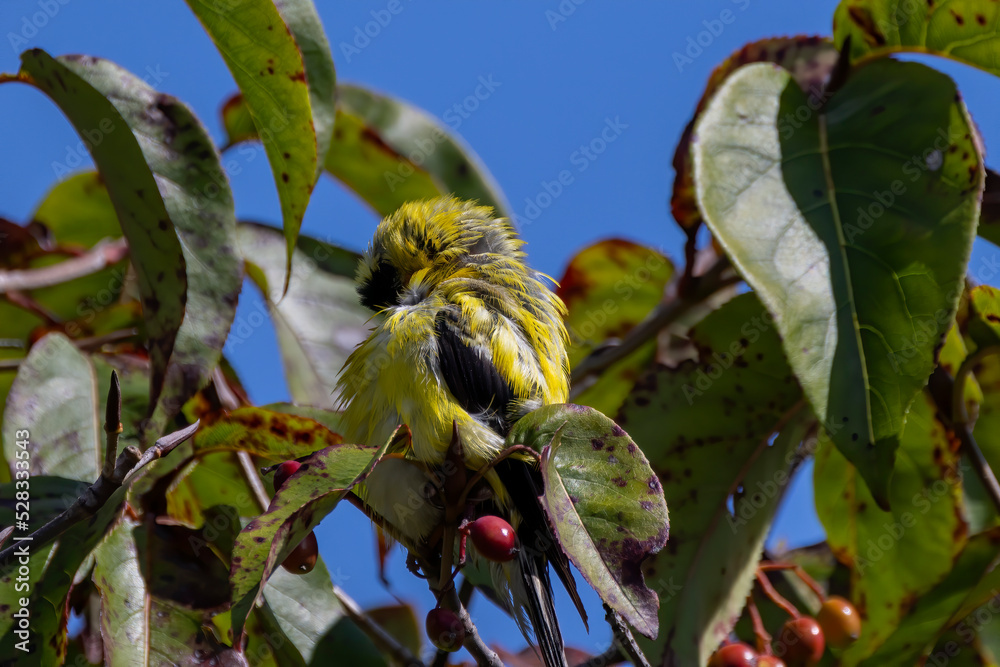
(465, 335)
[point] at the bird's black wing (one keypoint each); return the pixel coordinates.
(470, 375)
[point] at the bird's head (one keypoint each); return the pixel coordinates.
(426, 242)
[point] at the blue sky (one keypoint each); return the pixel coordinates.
(560, 73)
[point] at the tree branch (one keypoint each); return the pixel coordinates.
(718, 277)
(97, 494)
(474, 644)
(106, 253)
(112, 424)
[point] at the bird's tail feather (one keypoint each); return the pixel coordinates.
(532, 577)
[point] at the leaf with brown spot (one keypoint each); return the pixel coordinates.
(604, 505)
(298, 506)
(123, 166)
(860, 317)
(196, 193)
(408, 136)
(608, 288)
(268, 66)
(965, 30)
(705, 427)
(881, 547)
(271, 435)
(983, 326)
(57, 399)
(139, 627)
(971, 583)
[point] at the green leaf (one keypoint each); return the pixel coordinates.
(304, 607)
(603, 501)
(942, 607)
(877, 194)
(44, 623)
(304, 23)
(298, 506)
(58, 401)
(349, 642)
(809, 60)
(379, 174)
(706, 426)
(263, 433)
(196, 192)
(383, 126)
(153, 244)
(608, 288)
(319, 321)
(55, 567)
(213, 479)
(50, 496)
(261, 54)
(963, 30)
(879, 546)
(78, 211)
(984, 316)
(138, 627)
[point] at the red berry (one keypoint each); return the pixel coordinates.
(445, 629)
(801, 642)
(840, 621)
(770, 661)
(733, 655)
(302, 559)
(494, 538)
(284, 471)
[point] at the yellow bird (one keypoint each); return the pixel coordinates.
(465, 334)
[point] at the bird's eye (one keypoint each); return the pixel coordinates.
(382, 289)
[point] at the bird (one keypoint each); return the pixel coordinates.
(465, 338)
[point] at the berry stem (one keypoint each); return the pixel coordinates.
(799, 572)
(763, 637)
(775, 596)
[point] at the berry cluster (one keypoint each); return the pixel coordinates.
(495, 540)
(802, 639)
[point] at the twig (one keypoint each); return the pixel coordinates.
(24, 300)
(959, 415)
(624, 644)
(104, 254)
(761, 633)
(775, 596)
(773, 566)
(112, 424)
(474, 644)
(712, 281)
(97, 494)
(376, 632)
(90, 343)
(943, 390)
